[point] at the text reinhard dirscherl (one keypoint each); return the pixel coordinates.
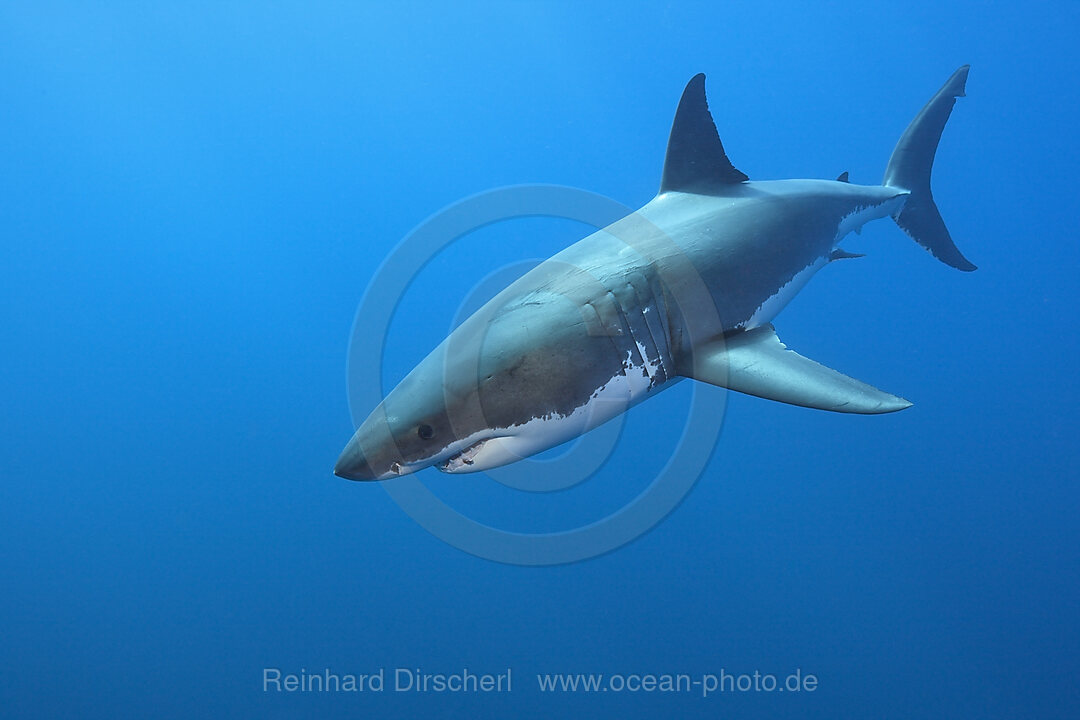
(381, 680)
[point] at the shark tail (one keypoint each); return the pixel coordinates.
(909, 169)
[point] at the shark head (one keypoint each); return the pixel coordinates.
(502, 386)
(424, 421)
(513, 380)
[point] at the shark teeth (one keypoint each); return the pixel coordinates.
(463, 458)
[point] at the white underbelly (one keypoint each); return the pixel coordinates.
(779, 300)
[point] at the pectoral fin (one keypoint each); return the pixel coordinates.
(755, 362)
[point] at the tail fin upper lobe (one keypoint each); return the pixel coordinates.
(909, 169)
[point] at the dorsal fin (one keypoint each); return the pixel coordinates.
(696, 161)
(843, 177)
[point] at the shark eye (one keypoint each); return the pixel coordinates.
(426, 432)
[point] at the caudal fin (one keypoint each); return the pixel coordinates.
(909, 169)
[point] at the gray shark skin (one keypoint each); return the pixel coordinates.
(686, 287)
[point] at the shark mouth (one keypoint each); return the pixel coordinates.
(496, 450)
(465, 460)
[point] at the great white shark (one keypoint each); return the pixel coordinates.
(685, 287)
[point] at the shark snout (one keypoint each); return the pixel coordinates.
(352, 465)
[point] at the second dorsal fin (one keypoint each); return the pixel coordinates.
(696, 161)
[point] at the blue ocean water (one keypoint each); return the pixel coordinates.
(193, 201)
